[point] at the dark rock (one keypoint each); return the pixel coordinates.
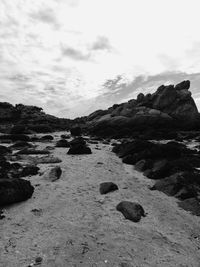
(20, 145)
(29, 170)
(16, 190)
(65, 136)
(131, 210)
(184, 85)
(79, 149)
(161, 169)
(192, 205)
(107, 187)
(32, 152)
(55, 173)
(47, 138)
(15, 137)
(75, 131)
(18, 129)
(143, 165)
(4, 150)
(62, 143)
(77, 141)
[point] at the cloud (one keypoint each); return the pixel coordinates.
(46, 16)
(102, 43)
(75, 53)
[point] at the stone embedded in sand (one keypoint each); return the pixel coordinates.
(33, 152)
(15, 190)
(62, 143)
(107, 187)
(131, 210)
(79, 150)
(55, 173)
(46, 160)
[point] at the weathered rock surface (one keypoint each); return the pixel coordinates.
(16, 190)
(107, 187)
(131, 210)
(55, 173)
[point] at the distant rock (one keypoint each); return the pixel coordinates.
(131, 210)
(33, 152)
(75, 131)
(107, 187)
(47, 138)
(79, 149)
(62, 143)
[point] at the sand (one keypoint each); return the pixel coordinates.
(68, 223)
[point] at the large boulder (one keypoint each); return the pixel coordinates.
(16, 190)
(79, 149)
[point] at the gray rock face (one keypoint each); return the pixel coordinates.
(131, 210)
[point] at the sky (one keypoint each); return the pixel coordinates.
(72, 57)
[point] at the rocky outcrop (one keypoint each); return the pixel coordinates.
(170, 106)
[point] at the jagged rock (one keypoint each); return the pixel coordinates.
(107, 187)
(55, 173)
(16, 190)
(131, 210)
(79, 149)
(192, 205)
(62, 143)
(183, 85)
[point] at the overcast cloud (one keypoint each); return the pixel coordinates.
(73, 56)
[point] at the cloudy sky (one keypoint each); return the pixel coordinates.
(72, 57)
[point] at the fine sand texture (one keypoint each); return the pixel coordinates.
(68, 223)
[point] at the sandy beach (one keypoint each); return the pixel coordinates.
(68, 223)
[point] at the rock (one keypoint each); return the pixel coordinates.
(32, 152)
(55, 173)
(29, 170)
(15, 190)
(46, 160)
(140, 97)
(107, 187)
(47, 138)
(4, 150)
(79, 149)
(131, 210)
(21, 145)
(77, 141)
(65, 136)
(18, 129)
(15, 137)
(183, 85)
(192, 205)
(161, 169)
(62, 143)
(143, 165)
(75, 131)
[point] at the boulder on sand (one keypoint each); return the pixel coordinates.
(79, 149)
(131, 210)
(55, 173)
(62, 143)
(14, 190)
(107, 187)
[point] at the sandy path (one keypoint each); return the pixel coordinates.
(76, 226)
